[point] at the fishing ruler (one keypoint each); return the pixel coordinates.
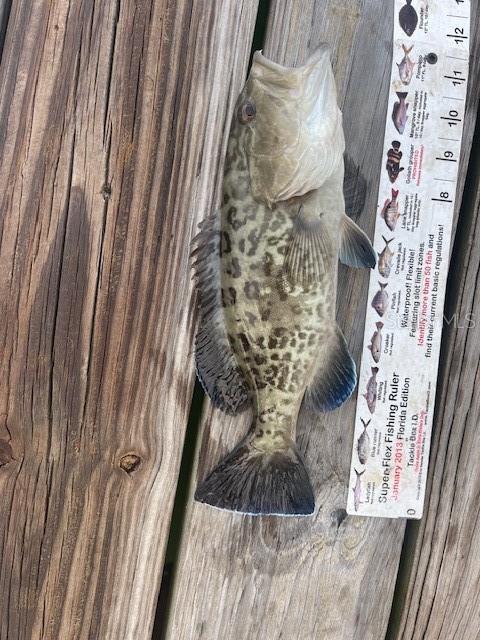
(398, 374)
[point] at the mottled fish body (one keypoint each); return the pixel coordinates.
(357, 490)
(399, 112)
(371, 393)
(266, 272)
(375, 345)
(385, 259)
(391, 211)
(363, 444)
(408, 18)
(406, 66)
(380, 299)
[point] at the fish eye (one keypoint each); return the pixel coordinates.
(246, 112)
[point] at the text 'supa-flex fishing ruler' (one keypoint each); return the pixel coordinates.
(396, 386)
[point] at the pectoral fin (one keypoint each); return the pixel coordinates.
(355, 247)
(216, 365)
(335, 377)
(308, 251)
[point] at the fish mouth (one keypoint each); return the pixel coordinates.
(279, 73)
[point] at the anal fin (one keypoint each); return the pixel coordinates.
(335, 377)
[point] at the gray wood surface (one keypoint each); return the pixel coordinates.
(112, 123)
(330, 576)
(438, 586)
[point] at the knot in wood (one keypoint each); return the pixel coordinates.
(6, 452)
(130, 462)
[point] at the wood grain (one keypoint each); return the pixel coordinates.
(438, 585)
(331, 576)
(112, 123)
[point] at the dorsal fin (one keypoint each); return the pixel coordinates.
(216, 365)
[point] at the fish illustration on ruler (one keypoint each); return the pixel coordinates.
(357, 490)
(266, 274)
(363, 443)
(385, 258)
(375, 345)
(380, 299)
(371, 393)
(406, 66)
(390, 211)
(394, 155)
(408, 18)
(399, 113)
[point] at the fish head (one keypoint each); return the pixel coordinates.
(295, 141)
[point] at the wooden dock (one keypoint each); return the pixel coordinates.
(114, 117)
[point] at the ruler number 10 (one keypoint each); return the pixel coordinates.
(452, 118)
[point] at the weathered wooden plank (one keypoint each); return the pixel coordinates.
(437, 594)
(330, 576)
(111, 125)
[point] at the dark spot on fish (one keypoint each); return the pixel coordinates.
(251, 318)
(252, 290)
(254, 239)
(235, 270)
(274, 356)
(259, 359)
(272, 343)
(229, 297)
(226, 245)
(265, 314)
(244, 341)
(241, 245)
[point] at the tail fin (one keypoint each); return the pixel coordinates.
(257, 482)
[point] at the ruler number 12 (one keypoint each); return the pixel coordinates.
(458, 35)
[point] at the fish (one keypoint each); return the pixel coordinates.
(406, 66)
(380, 299)
(265, 272)
(399, 113)
(363, 443)
(375, 345)
(408, 18)
(357, 490)
(371, 392)
(394, 155)
(385, 259)
(390, 211)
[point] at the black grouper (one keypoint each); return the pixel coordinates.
(266, 273)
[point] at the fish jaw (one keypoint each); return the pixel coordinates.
(296, 141)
